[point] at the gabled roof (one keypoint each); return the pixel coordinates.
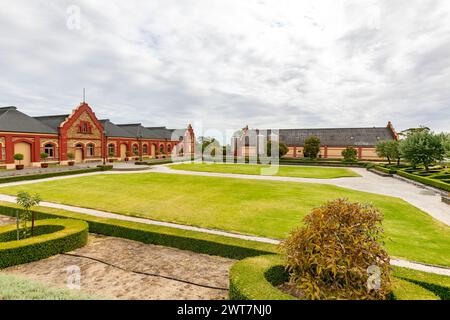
(113, 130)
(334, 137)
(331, 137)
(53, 121)
(159, 133)
(12, 120)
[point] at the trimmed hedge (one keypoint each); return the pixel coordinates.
(257, 278)
(385, 170)
(72, 235)
(48, 175)
(428, 181)
(160, 235)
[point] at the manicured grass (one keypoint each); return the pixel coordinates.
(264, 208)
(282, 171)
(18, 288)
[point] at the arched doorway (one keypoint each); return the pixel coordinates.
(79, 153)
(25, 149)
(123, 151)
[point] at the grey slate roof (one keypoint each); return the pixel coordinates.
(53, 121)
(335, 137)
(113, 130)
(157, 133)
(12, 120)
(160, 133)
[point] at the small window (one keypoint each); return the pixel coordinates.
(90, 150)
(169, 148)
(50, 150)
(111, 150)
(135, 149)
(145, 149)
(161, 148)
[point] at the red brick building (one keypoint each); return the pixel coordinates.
(247, 142)
(86, 137)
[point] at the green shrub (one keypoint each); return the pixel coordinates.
(331, 255)
(385, 170)
(311, 147)
(350, 154)
(160, 235)
(73, 235)
(440, 184)
(257, 278)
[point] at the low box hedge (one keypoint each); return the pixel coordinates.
(47, 175)
(68, 235)
(160, 235)
(257, 278)
(440, 184)
(385, 170)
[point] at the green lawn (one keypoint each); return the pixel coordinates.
(264, 208)
(283, 171)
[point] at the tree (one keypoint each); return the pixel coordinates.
(406, 133)
(282, 148)
(312, 147)
(18, 157)
(445, 137)
(422, 148)
(349, 154)
(26, 201)
(388, 149)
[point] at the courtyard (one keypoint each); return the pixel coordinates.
(249, 206)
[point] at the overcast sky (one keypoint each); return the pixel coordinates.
(268, 64)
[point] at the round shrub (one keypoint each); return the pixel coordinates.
(54, 236)
(337, 254)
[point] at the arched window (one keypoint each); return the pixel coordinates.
(169, 148)
(49, 149)
(145, 149)
(111, 150)
(135, 149)
(90, 150)
(161, 148)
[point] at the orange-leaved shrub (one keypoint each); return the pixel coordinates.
(339, 254)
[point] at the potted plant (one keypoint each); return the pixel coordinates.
(44, 157)
(19, 157)
(70, 156)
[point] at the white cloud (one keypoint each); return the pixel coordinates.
(229, 63)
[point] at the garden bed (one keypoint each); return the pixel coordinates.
(261, 278)
(52, 237)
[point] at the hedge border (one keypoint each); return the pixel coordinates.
(427, 181)
(256, 278)
(73, 235)
(159, 235)
(385, 170)
(48, 175)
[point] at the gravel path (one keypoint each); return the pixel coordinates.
(182, 274)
